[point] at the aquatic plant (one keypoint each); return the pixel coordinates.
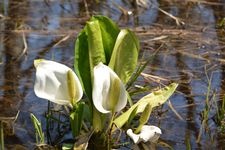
(105, 60)
(57, 83)
(109, 93)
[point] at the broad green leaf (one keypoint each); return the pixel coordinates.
(95, 43)
(82, 64)
(76, 118)
(154, 99)
(109, 33)
(125, 55)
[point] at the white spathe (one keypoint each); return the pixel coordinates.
(109, 93)
(148, 133)
(57, 83)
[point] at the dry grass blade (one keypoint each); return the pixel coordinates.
(2, 16)
(123, 10)
(178, 20)
(82, 142)
(62, 40)
(172, 108)
(153, 78)
(193, 56)
(24, 52)
(156, 38)
(86, 8)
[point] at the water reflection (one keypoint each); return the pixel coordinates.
(194, 59)
(13, 52)
(186, 53)
(191, 131)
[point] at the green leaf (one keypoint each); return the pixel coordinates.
(125, 55)
(132, 115)
(144, 117)
(95, 43)
(76, 118)
(87, 116)
(82, 64)
(109, 33)
(139, 69)
(98, 120)
(154, 99)
(40, 139)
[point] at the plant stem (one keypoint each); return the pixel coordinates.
(111, 122)
(2, 136)
(108, 131)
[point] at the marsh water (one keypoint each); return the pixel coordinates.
(188, 36)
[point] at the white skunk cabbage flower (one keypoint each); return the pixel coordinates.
(148, 133)
(109, 93)
(57, 83)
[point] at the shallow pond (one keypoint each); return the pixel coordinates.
(187, 35)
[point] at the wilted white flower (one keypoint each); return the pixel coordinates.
(148, 133)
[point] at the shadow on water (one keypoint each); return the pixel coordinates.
(189, 52)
